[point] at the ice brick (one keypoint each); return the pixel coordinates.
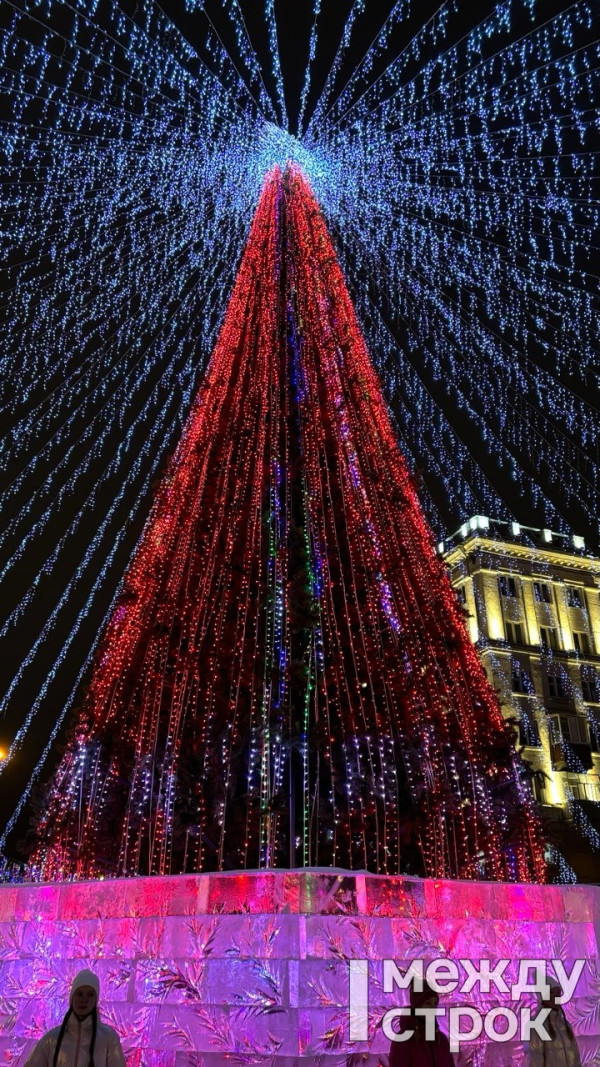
(233, 936)
(11, 940)
(8, 903)
(37, 902)
(352, 937)
(209, 1029)
(581, 903)
(130, 897)
(394, 896)
(253, 893)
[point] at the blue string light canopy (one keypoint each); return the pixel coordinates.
(454, 158)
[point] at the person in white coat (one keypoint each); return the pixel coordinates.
(561, 1050)
(81, 1040)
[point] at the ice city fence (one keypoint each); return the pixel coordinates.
(254, 967)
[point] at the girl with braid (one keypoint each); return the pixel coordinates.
(82, 1040)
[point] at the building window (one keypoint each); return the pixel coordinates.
(581, 642)
(507, 585)
(580, 790)
(590, 689)
(574, 729)
(528, 729)
(557, 689)
(548, 638)
(567, 731)
(573, 748)
(557, 752)
(595, 735)
(520, 678)
(461, 592)
(537, 789)
(574, 596)
(542, 592)
(514, 633)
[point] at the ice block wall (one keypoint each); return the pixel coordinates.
(253, 968)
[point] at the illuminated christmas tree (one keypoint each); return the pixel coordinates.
(287, 679)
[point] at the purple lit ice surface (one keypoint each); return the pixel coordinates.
(253, 968)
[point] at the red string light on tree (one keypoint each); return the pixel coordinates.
(287, 679)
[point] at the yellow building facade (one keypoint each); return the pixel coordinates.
(532, 606)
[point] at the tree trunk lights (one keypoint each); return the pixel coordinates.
(287, 680)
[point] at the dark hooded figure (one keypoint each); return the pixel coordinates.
(417, 1051)
(561, 1050)
(81, 1040)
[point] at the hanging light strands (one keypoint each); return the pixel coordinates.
(454, 158)
(286, 669)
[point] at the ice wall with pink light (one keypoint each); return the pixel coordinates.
(253, 968)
